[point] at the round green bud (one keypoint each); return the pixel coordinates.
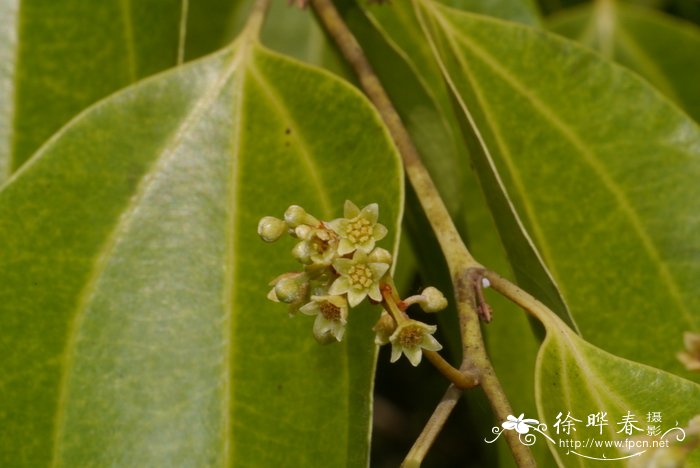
(302, 252)
(292, 288)
(296, 216)
(303, 231)
(270, 228)
(433, 300)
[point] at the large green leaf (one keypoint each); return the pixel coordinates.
(59, 57)
(576, 378)
(662, 49)
(416, 86)
(605, 173)
(134, 324)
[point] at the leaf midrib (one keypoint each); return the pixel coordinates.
(112, 240)
(129, 40)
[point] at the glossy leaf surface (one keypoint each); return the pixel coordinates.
(662, 49)
(59, 57)
(427, 104)
(135, 327)
(576, 378)
(605, 175)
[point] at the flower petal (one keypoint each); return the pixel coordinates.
(379, 232)
(337, 225)
(370, 212)
(414, 354)
(509, 425)
(375, 293)
(342, 265)
(310, 308)
(355, 296)
(339, 286)
(366, 247)
(350, 210)
(395, 352)
(430, 343)
(338, 330)
(378, 269)
(345, 247)
(321, 325)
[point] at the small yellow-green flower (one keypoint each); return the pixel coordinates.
(359, 229)
(319, 246)
(359, 278)
(331, 316)
(410, 338)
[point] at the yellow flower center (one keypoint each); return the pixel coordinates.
(359, 231)
(360, 276)
(411, 336)
(329, 310)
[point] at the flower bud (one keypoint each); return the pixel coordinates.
(384, 328)
(270, 228)
(290, 287)
(380, 255)
(433, 300)
(303, 231)
(302, 252)
(296, 216)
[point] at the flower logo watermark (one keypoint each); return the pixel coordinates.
(649, 444)
(522, 426)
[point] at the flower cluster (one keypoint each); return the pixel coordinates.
(341, 267)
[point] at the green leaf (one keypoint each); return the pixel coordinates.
(605, 174)
(578, 378)
(212, 24)
(521, 11)
(59, 57)
(416, 86)
(135, 327)
(659, 47)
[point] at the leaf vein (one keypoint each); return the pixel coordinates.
(103, 256)
(590, 158)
